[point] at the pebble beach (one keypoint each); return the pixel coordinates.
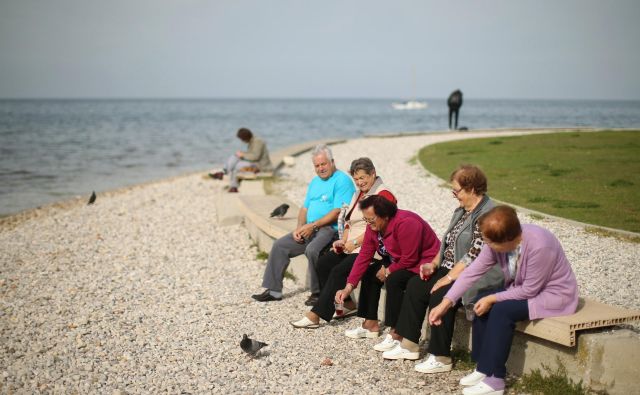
(143, 292)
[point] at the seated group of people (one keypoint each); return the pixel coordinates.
(486, 261)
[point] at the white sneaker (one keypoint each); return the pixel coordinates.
(304, 322)
(431, 365)
(400, 353)
(387, 344)
(360, 332)
(472, 379)
(481, 389)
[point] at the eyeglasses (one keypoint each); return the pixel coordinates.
(456, 191)
(369, 220)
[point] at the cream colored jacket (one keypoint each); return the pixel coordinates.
(356, 225)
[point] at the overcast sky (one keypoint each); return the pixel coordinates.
(578, 49)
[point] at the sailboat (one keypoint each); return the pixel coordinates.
(411, 104)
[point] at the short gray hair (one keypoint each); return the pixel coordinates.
(364, 164)
(322, 149)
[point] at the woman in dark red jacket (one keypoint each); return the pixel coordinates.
(405, 241)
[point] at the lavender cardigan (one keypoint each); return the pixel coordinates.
(544, 277)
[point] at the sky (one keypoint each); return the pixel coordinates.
(543, 49)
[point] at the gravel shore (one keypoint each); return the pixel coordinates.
(144, 293)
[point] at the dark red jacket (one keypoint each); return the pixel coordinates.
(408, 239)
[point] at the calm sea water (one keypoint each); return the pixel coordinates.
(55, 149)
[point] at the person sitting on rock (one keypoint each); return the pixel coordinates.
(405, 241)
(460, 245)
(255, 158)
(539, 283)
(326, 194)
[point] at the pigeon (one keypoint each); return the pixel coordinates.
(280, 211)
(250, 346)
(92, 199)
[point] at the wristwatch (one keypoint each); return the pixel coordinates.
(315, 227)
(355, 242)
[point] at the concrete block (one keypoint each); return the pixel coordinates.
(603, 360)
(227, 212)
(609, 360)
(298, 267)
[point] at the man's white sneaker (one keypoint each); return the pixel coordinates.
(360, 332)
(400, 353)
(481, 389)
(431, 365)
(472, 378)
(387, 344)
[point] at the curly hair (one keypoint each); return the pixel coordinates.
(470, 178)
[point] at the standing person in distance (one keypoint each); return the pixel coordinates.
(454, 102)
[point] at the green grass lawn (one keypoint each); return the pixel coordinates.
(593, 177)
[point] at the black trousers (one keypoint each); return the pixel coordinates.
(370, 288)
(333, 270)
(453, 111)
(417, 300)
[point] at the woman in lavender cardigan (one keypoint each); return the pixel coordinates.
(539, 283)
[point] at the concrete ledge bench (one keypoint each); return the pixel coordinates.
(265, 230)
(589, 315)
(257, 209)
(251, 175)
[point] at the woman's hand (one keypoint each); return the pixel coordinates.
(435, 315)
(426, 270)
(338, 245)
(342, 294)
(382, 274)
(349, 246)
(443, 282)
(483, 305)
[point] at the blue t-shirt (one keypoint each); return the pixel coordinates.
(326, 195)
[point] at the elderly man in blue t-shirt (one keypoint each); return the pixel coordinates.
(326, 194)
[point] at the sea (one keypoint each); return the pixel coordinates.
(52, 150)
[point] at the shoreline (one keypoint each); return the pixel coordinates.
(10, 221)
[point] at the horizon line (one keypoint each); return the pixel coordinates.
(206, 98)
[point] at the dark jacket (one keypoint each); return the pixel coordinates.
(408, 239)
(455, 100)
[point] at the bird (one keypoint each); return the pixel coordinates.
(280, 211)
(92, 199)
(250, 346)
